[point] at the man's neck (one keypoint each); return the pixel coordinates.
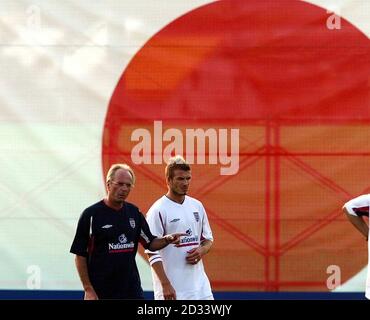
(113, 205)
(179, 198)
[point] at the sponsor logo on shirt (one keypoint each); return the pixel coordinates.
(122, 238)
(122, 246)
(196, 216)
(189, 239)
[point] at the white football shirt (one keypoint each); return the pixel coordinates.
(165, 217)
(360, 206)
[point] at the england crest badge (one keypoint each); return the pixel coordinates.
(132, 223)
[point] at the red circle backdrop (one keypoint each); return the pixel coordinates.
(298, 92)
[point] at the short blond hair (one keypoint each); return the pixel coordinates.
(117, 166)
(174, 163)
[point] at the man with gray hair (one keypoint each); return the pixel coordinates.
(178, 271)
(106, 241)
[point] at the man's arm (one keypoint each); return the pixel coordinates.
(160, 243)
(81, 266)
(358, 222)
(194, 255)
(168, 291)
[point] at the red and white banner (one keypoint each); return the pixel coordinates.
(268, 100)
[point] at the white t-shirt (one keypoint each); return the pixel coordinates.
(165, 217)
(357, 207)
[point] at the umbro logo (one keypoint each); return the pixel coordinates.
(175, 220)
(107, 226)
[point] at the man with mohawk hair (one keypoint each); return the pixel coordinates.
(177, 270)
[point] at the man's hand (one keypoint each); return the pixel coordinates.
(174, 238)
(159, 243)
(194, 255)
(90, 294)
(169, 292)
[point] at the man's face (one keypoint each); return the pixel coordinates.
(120, 186)
(180, 182)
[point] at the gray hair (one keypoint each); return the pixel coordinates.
(118, 166)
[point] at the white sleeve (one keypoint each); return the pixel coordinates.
(155, 222)
(206, 228)
(357, 203)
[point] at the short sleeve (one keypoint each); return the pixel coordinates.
(82, 236)
(155, 222)
(358, 206)
(206, 228)
(146, 237)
